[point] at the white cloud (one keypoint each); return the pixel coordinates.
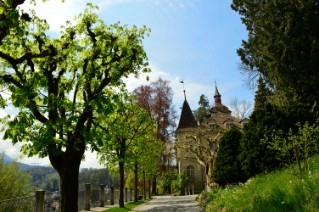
(193, 89)
(13, 151)
(91, 160)
(57, 12)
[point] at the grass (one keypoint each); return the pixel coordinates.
(128, 206)
(281, 190)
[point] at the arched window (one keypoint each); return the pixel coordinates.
(190, 171)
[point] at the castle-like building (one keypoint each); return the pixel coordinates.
(196, 143)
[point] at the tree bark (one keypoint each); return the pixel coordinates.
(121, 170)
(209, 174)
(154, 186)
(144, 185)
(149, 188)
(67, 165)
(136, 182)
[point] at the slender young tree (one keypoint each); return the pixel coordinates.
(125, 133)
(59, 86)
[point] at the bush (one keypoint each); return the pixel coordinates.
(13, 183)
(228, 168)
(179, 183)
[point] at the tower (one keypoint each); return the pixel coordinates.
(219, 107)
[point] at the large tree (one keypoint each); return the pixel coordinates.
(156, 98)
(256, 156)
(58, 85)
(283, 46)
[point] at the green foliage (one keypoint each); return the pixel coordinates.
(96, 177)
(167, 179)
(178, 183)
(64, 77)
(299, 146)
(228, 167)
(126, 133)
(44, 177)
(127, 138)
(277, 191)
(255, 155)
(47, 178)
(13, 183)
(262, 95)
(61, 85)
(283, 47)
(203, 110)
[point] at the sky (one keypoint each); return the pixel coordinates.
(190, 40)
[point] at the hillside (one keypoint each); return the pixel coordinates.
(283, 190)
(47, 178)
(22, 166)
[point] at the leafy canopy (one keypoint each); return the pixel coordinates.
(59, 85)
(282, 46)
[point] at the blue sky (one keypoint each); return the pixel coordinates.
(193, 40)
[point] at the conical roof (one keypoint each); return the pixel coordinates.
(187, 118)
(216, 91)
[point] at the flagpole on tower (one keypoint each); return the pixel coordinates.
(182, 81)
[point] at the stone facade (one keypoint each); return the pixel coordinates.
(209, 132)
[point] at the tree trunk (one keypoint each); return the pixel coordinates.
(136, 182)
(144, 185)
(154, 186)
(67, 165)
(209, 175)
(149, 188)
(121, 169)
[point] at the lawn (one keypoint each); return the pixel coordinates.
(128, 206)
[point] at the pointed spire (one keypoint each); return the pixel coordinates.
(217, 96)
(187, 118)
(216, 90)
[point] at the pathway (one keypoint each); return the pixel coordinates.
(170, 204)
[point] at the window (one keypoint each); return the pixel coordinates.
(190, 171)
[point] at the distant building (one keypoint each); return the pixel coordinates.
(212, 127)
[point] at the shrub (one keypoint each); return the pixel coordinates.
(228, 168)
